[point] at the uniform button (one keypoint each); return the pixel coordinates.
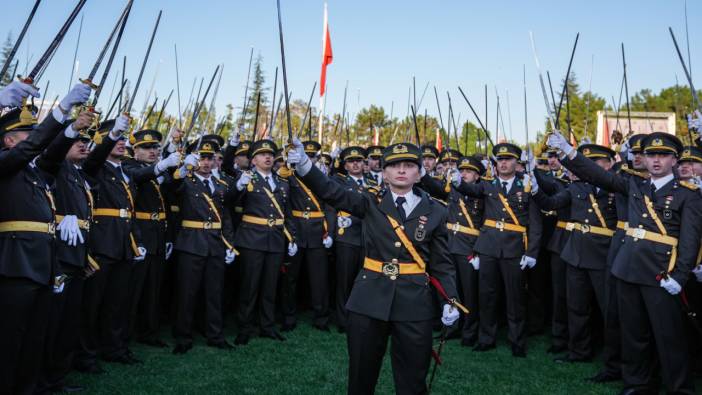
(504, 209)
(398, 244)
(644, 215)
(394, 260)
(587, 221)
(589, 210)
(402, 227)
(271, 204)
(364, 276)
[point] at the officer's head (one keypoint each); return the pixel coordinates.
(16, 125)
(352, 158)
(241, 155)
(262, 154)
(375, 154)
(690, 163)
(553, 162)
(601, 155)
(661, 151)
(636, 150)
(471, 169)
(79, 150)
(507, 155)
(207, 150)
(429, 155)
(119, 150)
(401, 166)
(147, 144)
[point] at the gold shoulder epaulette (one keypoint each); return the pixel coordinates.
(689, 185)
(221, 181)
(487, 178)
(438, 200)
(284, 172)
(635, 173)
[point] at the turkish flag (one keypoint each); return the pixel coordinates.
(439, 143)
(327, 56)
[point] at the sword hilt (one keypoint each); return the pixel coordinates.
(90, 83)
(27, 80)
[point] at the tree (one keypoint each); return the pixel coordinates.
(257, 87)
(4, 55)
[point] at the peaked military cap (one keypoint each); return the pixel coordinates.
(507, 150)
(402, 152)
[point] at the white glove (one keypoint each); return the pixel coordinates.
(343, 222)
(229, 258)
(556, 140)
(172, 160)
(585, 140)
(169, 249)
(486, 163)
(234, 139)
(527, 261)
(142, 254)
(192, 160)
(671, 285)
(292, 249)
(70, 232)
(14, 94)
(695, 123)
(79, 94)
(58, 288)
(298, 158)
(322, 167)
(335, 153)
(455, 178)
(697, 271)
(475, 262)
(243, 180)
(450, 315)
(121, 126)
(534, 184)
(328, 241)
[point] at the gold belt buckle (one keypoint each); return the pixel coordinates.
(154, 216)
(306, 214)
(52, 228)
(639, 233)
(391, 269)
(123, 213)
(499, 225)
(271, 222)
(569, 226)
(585, 228)
(207, 225)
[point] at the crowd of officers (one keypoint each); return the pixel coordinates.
(104, 231)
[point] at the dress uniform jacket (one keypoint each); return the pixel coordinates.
(377, 295)
(460, 242)
(310, 231)
(150, 206)
(353, 234)
(111, 236)
(552, 185)
(256, 203)
(584, 249)
(194, 206)
(508, 244)
(25, 197)
(677, 205)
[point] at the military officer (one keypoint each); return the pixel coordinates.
(374, 154)
(429, 156)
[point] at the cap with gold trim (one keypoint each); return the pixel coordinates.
(278, 155)
(206, 148)
(471, 163)
(449, 155)
(402, 152)
(662, 143)
(429, 151)
(20, 119)
(507, 150)
(262, 146)
(353, 152)
(635, 143)
(375, 151)
(595, 151)
(691, 153)
(147, 138)
(214, 137)
(325, 159)
(311, 147)
(243, 148)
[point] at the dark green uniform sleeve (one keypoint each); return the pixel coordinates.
(339, 197)
(590, 172)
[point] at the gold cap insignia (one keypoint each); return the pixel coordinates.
(586, 151)
(354, 152)
(148, 137)
(207, 147)
(266, 145)
(687, 153)
(503, 150)
(400, 149)
(657, 143)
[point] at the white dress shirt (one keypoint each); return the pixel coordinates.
(119, 166)
(509, 183)
(411, 202)
(271, 182)
(210, 181)
(661, 182)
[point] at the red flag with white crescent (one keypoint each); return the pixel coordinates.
(327, 56)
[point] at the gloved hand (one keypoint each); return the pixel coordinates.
(298, 158)
(169, 249)
(335, 153)
(79, 94)
(556, 140)
(695, 123)
(243, 181)
(322, 167)
(14, 94)
(142, 254)
(450, 315)
(234, 139)
(343, 222)
(670, 285)
(229, 258)
(456, 178)
(172, 160)
(527, 261)
(585, 140)
(475, 262)
(70, 232)
(697, 271)
(59, 284)
(328, 241)
(534, 184)
(121, 126)
(192, 160)
(292, 249)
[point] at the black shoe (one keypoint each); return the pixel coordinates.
(92, 368)
(557, 349)
(483, 347)
(323, 328)
(467, 343)
(222, 345)
(241, 340)
(181, 349)
(154, 343)
(288, 327)
(518, 352)
(273, 335)
(68, 388)
(571, 359)
(605, 377)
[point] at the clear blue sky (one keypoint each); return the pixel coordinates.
(379, 45)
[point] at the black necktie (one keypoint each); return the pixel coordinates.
(207, 185)
(653, 192)
(268, 182)
(401, 210)
(504, 187)
(359, 182)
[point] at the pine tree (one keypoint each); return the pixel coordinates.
(4, 55)
(256, 87)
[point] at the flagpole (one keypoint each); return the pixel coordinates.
(326, 60)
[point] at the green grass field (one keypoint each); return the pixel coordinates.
(312, 362)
